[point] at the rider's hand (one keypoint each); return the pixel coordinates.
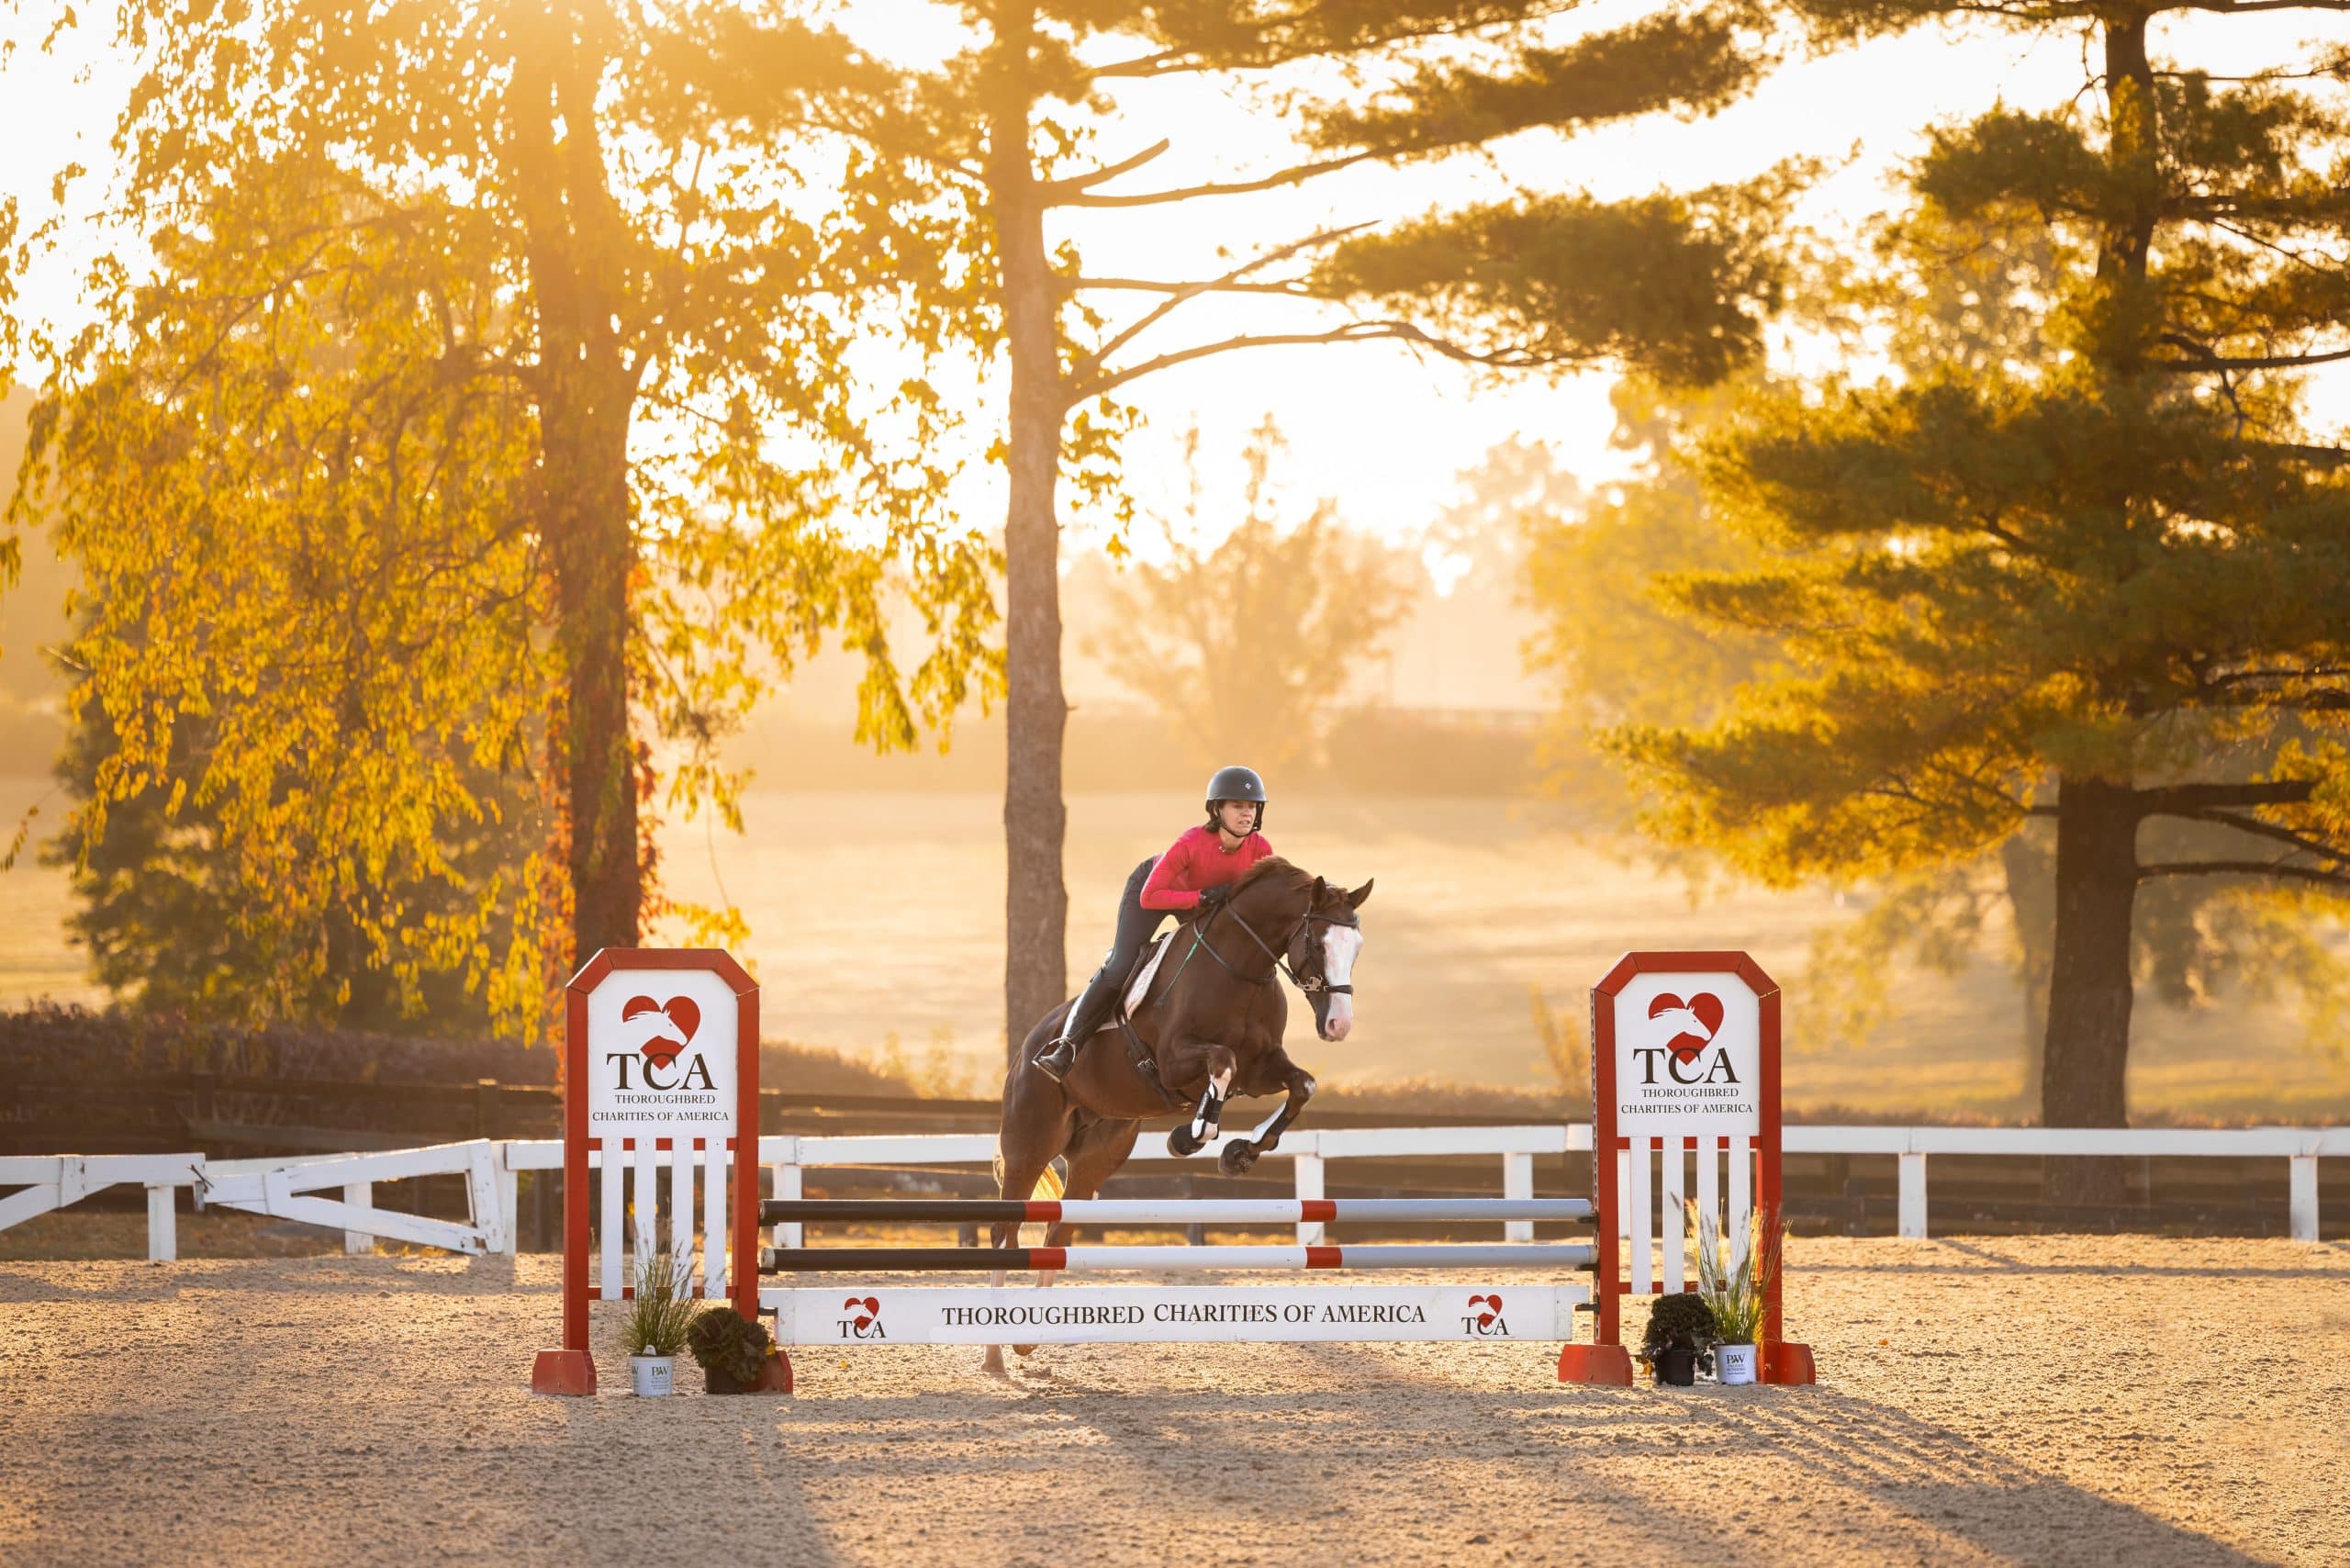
(1211, 897)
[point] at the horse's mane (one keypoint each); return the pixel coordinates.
(1273, 868)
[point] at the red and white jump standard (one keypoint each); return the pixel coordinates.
(660, 1070)
(1685, 1062)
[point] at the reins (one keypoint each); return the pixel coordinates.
(1309, 983)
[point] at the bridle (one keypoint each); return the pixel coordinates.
(1314, 981)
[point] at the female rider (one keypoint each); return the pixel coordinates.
(1197, 872)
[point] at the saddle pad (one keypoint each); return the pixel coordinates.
(1139, 986)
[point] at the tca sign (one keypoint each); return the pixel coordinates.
(1685, 1036)
(663, 1053)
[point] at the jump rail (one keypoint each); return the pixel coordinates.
(1181, 1211)
(1084, 1260)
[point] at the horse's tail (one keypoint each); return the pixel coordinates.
(1049, 1185)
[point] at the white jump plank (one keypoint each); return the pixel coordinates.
(977, 1315)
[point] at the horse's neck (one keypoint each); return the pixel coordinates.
(1270, 919)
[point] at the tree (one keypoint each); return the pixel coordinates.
(169, 924)
(2110, 591)
(1619, 653)
(1252, 645)
(1612, 650)
(436, 269)
(1006, 126)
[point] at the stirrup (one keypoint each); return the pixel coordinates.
(1054, 1060)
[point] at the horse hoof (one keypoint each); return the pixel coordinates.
(1181, 1142)
(1237, 1158)
(993, 1363)
(1024, 1350)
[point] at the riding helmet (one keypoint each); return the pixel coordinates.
(1236, 784)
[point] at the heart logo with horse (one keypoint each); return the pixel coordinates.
(682, 1016)
(864, 1320)
(1486, 1319)
(1704, 1009)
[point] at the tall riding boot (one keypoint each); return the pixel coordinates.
(1059, 1053)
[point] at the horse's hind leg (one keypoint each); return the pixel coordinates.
(1095, 1155)
(1097, 1150)
(1037, 1124)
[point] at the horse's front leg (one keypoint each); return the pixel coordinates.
(1242, 1153)
(1191, 1137)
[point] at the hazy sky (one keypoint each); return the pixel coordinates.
(1382, 430)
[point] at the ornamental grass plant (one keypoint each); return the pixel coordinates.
(1735, 1292)
(661, 1309)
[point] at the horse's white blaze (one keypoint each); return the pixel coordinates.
(1339, 945)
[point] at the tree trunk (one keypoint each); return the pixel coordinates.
(1036, 818)
(588, 541)
(575, 241)
(2030, 883)
(2089, 986)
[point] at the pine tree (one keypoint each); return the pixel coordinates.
(2109, 589)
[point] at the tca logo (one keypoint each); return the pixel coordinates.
(861, 1319)
(1684, 1029)
(659, 1033)
(1483, 1319)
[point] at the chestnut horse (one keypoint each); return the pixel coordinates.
(1209, 1028)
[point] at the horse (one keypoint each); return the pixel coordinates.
(1209, 1027)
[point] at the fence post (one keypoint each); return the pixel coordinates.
(2301, 1196)
(1518, 1182)
(359, 1194)
(787, 1174)
(1913, 1196)
(163, 1220)
(1308, 1173)
(510, 1202)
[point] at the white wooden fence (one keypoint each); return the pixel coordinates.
(293, 1188)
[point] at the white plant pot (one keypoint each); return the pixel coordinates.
(653, 1376)
(1734, 1363)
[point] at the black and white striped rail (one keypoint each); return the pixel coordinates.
(1168, 1211)
(1080, 1260)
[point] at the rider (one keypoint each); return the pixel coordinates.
(1197, 872)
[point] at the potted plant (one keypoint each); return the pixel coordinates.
(659, 1311)
(1680, 1327)
(736, 1354)
(1735, 1295)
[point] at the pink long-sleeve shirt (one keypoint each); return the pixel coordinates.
(1195, 861)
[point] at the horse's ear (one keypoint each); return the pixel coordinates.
(1320, 886)
(1354, 900)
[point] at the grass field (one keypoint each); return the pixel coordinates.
(875, 928)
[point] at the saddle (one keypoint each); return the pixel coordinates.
(1130, 1002)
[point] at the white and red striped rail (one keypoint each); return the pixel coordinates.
(1166, 1211)
(1188, 1259)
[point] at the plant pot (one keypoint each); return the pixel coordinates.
(653, 1376)
(716, 1381)
(1735, 1363)
(1678, 1368)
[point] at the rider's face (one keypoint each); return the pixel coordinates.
(1238, 818)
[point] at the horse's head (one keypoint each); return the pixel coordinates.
(1322, 956)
